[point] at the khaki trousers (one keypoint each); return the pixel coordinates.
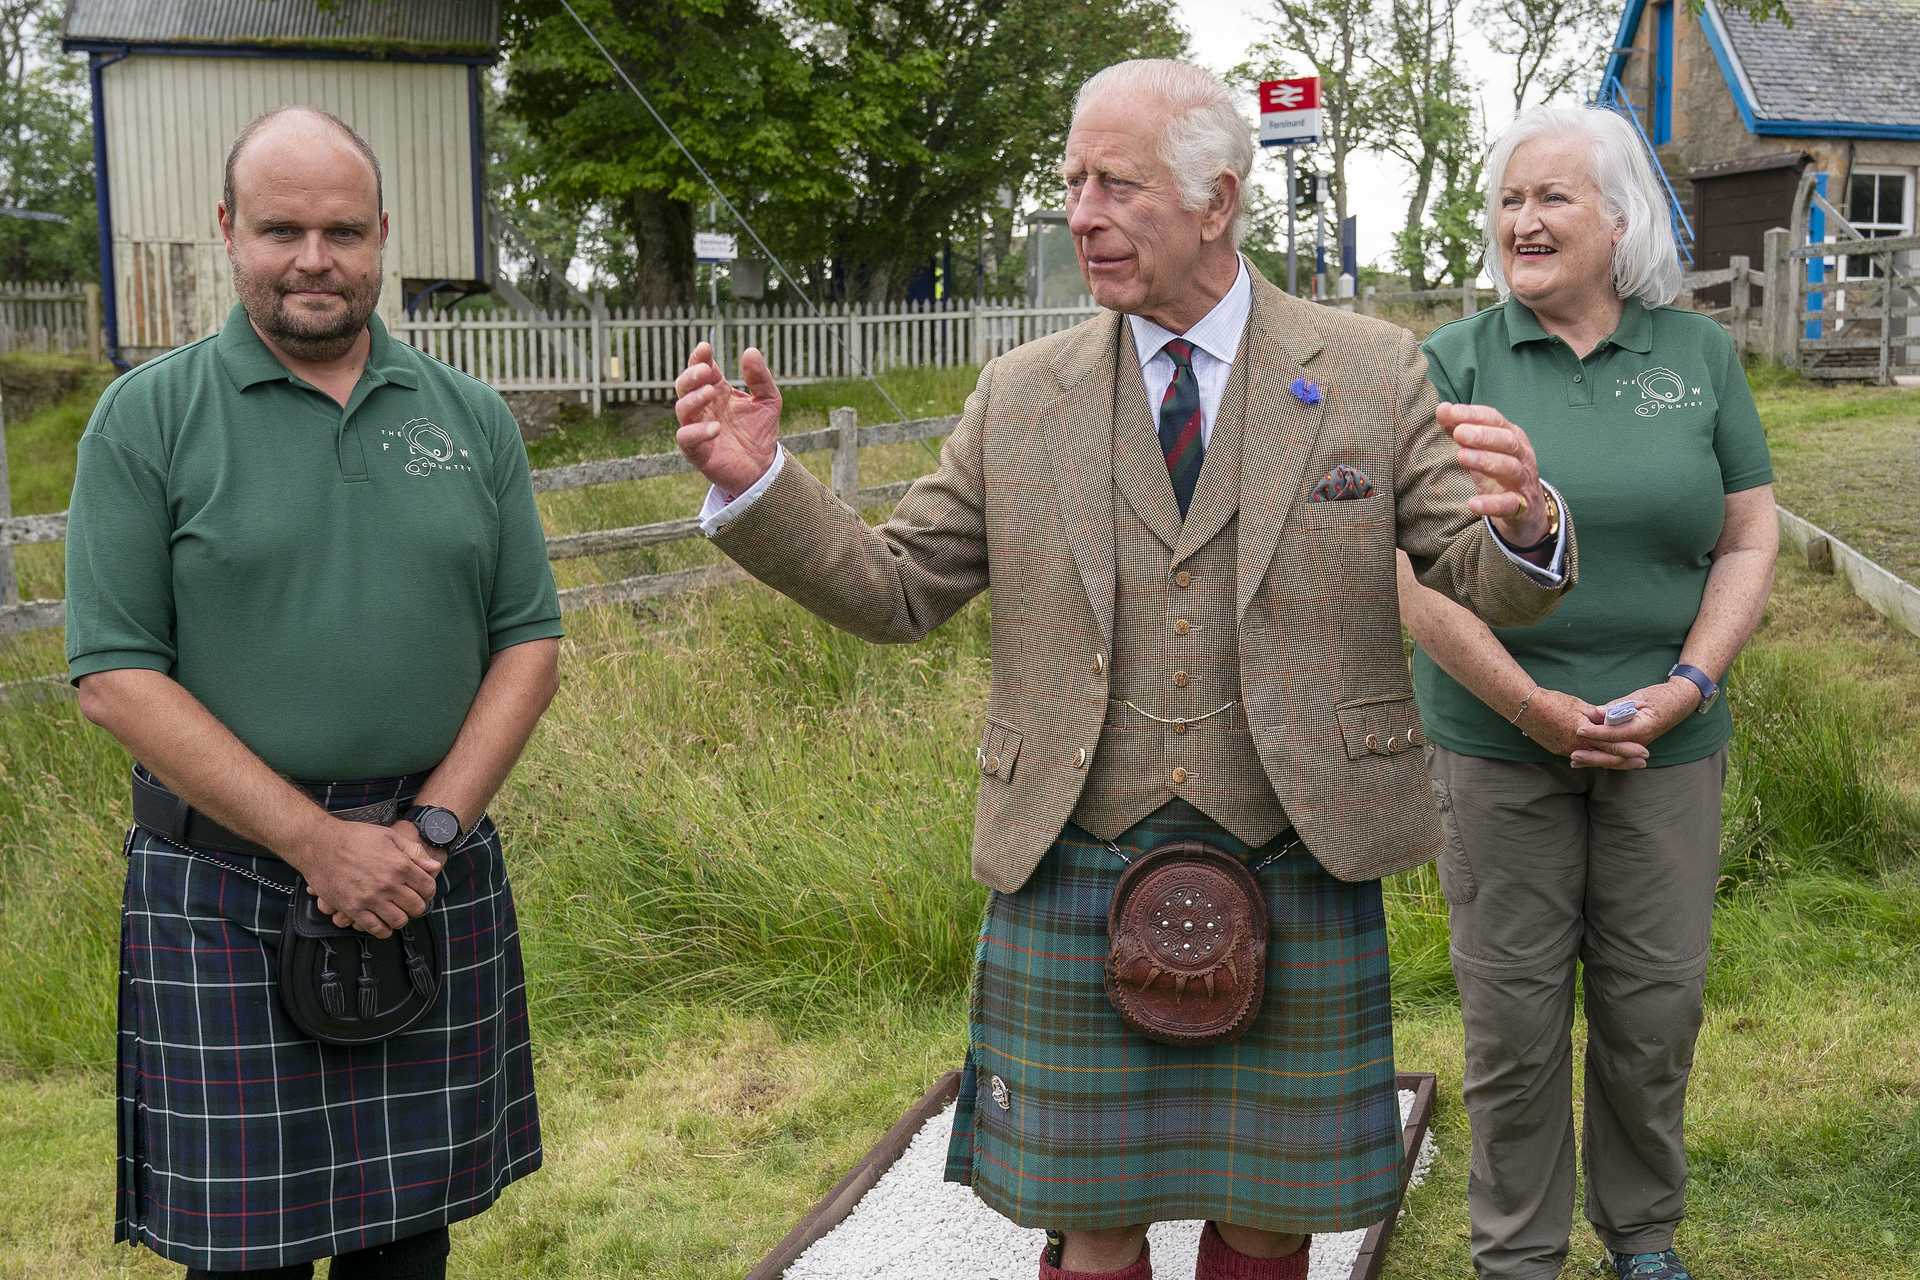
(1544, 865)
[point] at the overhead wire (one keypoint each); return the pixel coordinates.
(853, 357)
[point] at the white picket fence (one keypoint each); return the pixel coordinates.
(636, 352)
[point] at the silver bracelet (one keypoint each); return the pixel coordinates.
(1524, 703)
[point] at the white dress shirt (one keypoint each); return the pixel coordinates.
(1216, 340)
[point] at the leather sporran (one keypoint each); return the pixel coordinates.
(342, 986)
(1187, 945)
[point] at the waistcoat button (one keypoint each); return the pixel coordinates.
(1179, 726)
(1179, 777)
(1181, 626)
(1099, 664)
(1179, 679)
(1079, 757)
(1183, 579)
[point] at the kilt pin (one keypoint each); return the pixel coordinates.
(246, 1145)
(1186, 644)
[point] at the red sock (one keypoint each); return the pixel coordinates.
(1221, 1261)
(1141, 1269)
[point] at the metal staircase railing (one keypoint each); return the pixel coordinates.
(1613, 96)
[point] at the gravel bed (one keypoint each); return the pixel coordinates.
(912, 1226)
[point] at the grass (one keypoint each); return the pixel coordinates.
(1847, 458)
(748, 935)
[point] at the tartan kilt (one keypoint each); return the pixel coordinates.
(244, 1145)
(1294, 1127)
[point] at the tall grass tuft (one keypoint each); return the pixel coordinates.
(1805, 791)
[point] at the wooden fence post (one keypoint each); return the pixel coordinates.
(846, 455)
(94, 351)
(1742, 302)
(1365, 306)
(1782, 299)
(596, 318)
(1889, 276)
(9, 586)
(1469, 298)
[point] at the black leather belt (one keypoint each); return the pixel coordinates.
(162, 812)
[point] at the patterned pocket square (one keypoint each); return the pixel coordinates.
(1342, 484)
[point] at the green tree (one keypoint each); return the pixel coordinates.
(46, 150)
(860, 139)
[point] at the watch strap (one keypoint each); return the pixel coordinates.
(1700, 680)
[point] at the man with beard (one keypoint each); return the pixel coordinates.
(308, 591)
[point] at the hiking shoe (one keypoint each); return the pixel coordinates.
(1648, 1266)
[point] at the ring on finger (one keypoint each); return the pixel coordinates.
(1524, 506)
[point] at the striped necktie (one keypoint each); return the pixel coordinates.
(1180, 424)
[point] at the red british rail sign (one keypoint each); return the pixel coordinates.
(1290, 111)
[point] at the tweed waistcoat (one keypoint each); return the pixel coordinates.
(1176, 646)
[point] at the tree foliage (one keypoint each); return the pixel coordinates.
(46, 149)
(858, 138)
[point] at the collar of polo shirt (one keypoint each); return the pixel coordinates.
(249, 363)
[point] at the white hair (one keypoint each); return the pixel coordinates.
(1204, 135)
(1646, 260)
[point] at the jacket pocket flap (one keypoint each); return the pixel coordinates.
(999, 749)
(1380, 726)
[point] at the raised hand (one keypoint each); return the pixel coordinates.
(1504, 470)
(370, 875)
(730, 436)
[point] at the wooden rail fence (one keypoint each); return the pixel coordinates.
(843, 435)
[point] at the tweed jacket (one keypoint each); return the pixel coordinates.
(1022, 504)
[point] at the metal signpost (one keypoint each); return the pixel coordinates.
(713, 248)
(1290, 117)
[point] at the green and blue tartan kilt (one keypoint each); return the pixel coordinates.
(245, 1145)
(1294, 1127)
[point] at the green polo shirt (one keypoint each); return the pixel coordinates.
(329, 582)
(1644, 438)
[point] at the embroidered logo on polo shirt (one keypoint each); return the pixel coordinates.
(430, 447)
(1660, 390)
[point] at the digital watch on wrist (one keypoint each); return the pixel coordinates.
(1709, 691)
(438, 827)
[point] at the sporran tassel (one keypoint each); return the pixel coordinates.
(333, 997)
(369, 992)
(416, 966)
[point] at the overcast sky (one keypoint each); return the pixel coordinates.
(1224, 30)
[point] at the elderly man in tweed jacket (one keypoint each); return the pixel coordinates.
(1186, 509)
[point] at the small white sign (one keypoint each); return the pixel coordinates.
(711, 246)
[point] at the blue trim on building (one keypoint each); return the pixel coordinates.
(478, 147)
(297, 53)
(1769, 126)
(1722, 56)
(1622, 40)
(98, 62)
(1663, 73)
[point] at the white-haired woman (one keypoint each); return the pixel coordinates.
(1571, 838)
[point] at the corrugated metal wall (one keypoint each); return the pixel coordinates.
(169, 122)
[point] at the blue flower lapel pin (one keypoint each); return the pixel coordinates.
(1305, 392)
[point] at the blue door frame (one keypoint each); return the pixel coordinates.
(1663, 74)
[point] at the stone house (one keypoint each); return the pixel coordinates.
(1737, 111)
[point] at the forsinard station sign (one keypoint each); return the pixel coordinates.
(1290, 112)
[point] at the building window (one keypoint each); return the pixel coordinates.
(1879, 205)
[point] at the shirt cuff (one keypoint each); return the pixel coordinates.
(1553, 574)
(716, 513)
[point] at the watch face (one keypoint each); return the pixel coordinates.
(439, 826)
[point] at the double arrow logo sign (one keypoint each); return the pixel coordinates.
(1287, 96)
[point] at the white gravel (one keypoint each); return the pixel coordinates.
(913, 1226)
